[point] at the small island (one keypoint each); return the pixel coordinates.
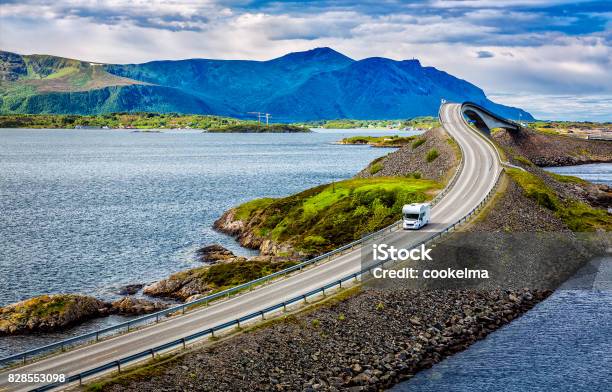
(255, 128)
(379, 141)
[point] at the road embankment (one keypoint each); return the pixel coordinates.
(553, 150)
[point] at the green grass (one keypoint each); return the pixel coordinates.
(567, 179)
(376, 167)
(379, 141)
(577, 215)
(245, 210)
(323, 218)
(432, 155)
(523, 160)
(418, 142)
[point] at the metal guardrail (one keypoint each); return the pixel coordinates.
(261, 313)
(95, 336)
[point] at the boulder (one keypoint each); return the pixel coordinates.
(130, 289)
(214, 254)
(133, 306)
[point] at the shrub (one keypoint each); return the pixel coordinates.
(375, 168)
(418, 142)
(380, 306)
(431, 155)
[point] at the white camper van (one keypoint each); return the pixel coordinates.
(416, 215)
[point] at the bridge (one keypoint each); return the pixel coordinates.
(472, 185)
(486, 120)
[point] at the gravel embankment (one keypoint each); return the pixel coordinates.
(554, 150)
(408, 160)
(368, 342)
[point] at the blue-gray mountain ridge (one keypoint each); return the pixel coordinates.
(312, 85)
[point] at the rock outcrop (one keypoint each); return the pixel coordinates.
(50, 313)
(136, 306)
(130, 289)
(196, 282)
(47, 313)
(230, 224)
(214, 253)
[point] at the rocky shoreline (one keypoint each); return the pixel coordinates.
(369, 342)
(48, 313)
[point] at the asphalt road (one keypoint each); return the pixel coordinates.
(478, 176)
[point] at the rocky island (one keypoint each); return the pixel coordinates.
(256, 128)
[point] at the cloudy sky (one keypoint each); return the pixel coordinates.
(552, 58)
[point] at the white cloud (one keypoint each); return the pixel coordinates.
(561, 107)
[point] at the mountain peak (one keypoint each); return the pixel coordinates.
(317, 54)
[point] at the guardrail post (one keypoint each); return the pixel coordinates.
(183, 309)
(80, 379)
(284, 306)
(304, 297)
(323, 290)
(152, 354)
(183, 340)
(340, 283)
(238, 322)
(262, 316)
(212, 333)
(157, 318)
(24, 359)
(97, 336)
(128, 327)
(119, 366)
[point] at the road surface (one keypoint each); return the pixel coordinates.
(478, 176)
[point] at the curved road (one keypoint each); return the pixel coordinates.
(477, 178)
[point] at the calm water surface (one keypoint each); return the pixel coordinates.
(596, 172)
(86, 211)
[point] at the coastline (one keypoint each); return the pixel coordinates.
(381, 370)
(529, 300)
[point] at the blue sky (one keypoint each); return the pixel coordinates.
(553, 58)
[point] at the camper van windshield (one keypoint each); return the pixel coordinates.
(411, 216)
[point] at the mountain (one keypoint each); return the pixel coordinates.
(312, 85)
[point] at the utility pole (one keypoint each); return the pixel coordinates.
(267, 118)
(259, 116)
